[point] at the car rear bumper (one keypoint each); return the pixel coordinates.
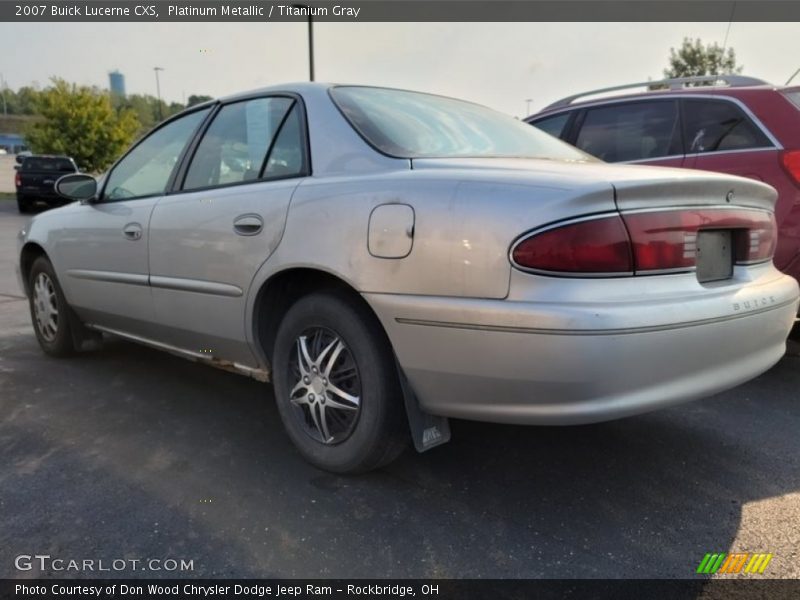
(518, 367)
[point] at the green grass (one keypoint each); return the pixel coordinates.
(7, 196)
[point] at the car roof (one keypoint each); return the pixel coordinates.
(676, 87)
(294, 88)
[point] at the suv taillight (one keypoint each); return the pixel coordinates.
(643, 243)
(790, 159)
(17, 180)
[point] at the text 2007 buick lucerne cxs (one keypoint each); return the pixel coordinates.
(389, 258)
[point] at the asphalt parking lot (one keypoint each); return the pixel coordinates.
(134, 454)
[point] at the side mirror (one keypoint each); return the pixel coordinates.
(77, 187)
(20, 158)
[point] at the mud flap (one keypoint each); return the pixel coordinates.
(83, 338)
(427, 430)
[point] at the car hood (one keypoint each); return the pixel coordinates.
(636, 186)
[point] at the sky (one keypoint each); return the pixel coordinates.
(501, 65)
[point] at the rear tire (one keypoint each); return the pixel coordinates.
(336, 385)
(50, 312)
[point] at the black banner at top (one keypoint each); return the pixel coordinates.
(401, 10)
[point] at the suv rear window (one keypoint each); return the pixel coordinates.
(712, 125)
(631, 131)
(47, 164)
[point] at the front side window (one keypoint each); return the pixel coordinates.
(413, 125)
(146, 170)
(714, 125)
(553, 125)
(631, 131)
(235, 147)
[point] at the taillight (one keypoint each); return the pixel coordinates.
(790, 159)
(667, 240)
(643, 243)
(592, 247)
(17, 180)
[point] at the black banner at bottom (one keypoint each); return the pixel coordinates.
(387, 589)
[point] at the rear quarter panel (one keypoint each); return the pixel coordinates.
(464, 226)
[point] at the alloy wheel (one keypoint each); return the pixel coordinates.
(326, 395)
(45, 306)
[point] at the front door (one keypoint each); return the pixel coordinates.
(103, 247)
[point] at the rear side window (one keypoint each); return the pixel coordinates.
(631, 131)
(48, 164)
(553, 125)
(248, 141)
(714, 125)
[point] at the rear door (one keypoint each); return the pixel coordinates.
(208, 239)
(640, 132)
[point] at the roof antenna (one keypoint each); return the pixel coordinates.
(788, 81)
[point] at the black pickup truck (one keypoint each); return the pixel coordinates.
(36, 178)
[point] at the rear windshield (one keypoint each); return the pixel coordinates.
(47, 164)
(794, 96)
(414, 125)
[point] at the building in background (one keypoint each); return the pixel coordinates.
(11, 143)
(116, 81)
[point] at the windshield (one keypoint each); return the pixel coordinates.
(414, 125)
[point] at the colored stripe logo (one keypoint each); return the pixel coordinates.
(735, 562)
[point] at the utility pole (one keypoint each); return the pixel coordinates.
(158, 93)
(310, 40)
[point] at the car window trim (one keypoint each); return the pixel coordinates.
(173, 118)
(180, 178)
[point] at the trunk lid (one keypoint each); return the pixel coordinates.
(636, 186)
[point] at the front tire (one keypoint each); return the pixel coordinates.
(49, 310)
(336, 385)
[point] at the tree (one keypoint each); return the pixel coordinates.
(81, 122)
(695, 59)
(197, 99)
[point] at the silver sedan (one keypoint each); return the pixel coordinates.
(390, 259)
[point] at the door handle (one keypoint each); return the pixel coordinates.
(248, 224)
(132, 231)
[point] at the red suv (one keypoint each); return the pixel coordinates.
(730, 124)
